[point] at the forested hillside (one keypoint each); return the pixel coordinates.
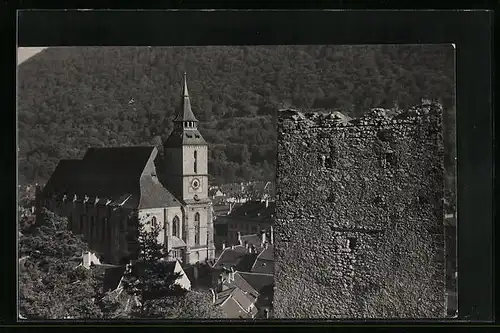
(73, 98)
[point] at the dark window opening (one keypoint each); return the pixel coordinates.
(326, 161)
(384, 135)
(197, 229)
(391, 159)
(153, 222)
(422, 200)
(195, 162)
(352, 242)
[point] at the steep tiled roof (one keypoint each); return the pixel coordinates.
(263, 266)
(112, 278)
(239, 296)
(257, 281)
(176, 242)
(153, 194)
(236, 304)
(223, 295)
(254, 210)
(187, 137)
(230, 257)
(233, 310)
(251, 240)
(241, 283)
(112, 174)
(63, 177)
(185, 113)
(267, 254)
(221, 209)
(239, 259)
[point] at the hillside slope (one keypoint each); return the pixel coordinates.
(72, 98)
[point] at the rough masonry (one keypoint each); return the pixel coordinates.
(359, 229)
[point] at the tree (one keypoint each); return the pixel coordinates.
(51, 285)
(192, 305)
(245, 154)
(148, 277)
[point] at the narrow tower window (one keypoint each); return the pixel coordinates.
(195, 155)
(195, 162)
(197, 229)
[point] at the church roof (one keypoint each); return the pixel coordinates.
(114, 174)
(153, 194)
(63, 175)
(188, 137)
(185, 113)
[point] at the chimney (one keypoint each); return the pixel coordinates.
(272, 235)
(86, 259)
(223, 246)
(239, 238)
(263, 237)
(267, 202)
(213, 295)
(231, 275)
(246, 245)
(266, 246)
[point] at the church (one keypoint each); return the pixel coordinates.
(112, 191)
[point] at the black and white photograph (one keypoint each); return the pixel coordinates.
(366, 205)
(164, 182)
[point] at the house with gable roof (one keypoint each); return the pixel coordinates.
(245, 271)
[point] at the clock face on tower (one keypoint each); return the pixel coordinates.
(195, 184)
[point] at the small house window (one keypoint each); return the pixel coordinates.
(154, 222)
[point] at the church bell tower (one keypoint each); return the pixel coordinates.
(186, 176)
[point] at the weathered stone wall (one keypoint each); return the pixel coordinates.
(359, 230)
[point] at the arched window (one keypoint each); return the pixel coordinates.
(175, 227)
(197, 228)
(195, 162)
(153, 222)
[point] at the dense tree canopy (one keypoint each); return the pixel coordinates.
(72, 98)
(51, 285)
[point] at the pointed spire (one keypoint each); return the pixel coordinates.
(185, 92)
(185, 112)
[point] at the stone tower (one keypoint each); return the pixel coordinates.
(359, 230)
(186, 176)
